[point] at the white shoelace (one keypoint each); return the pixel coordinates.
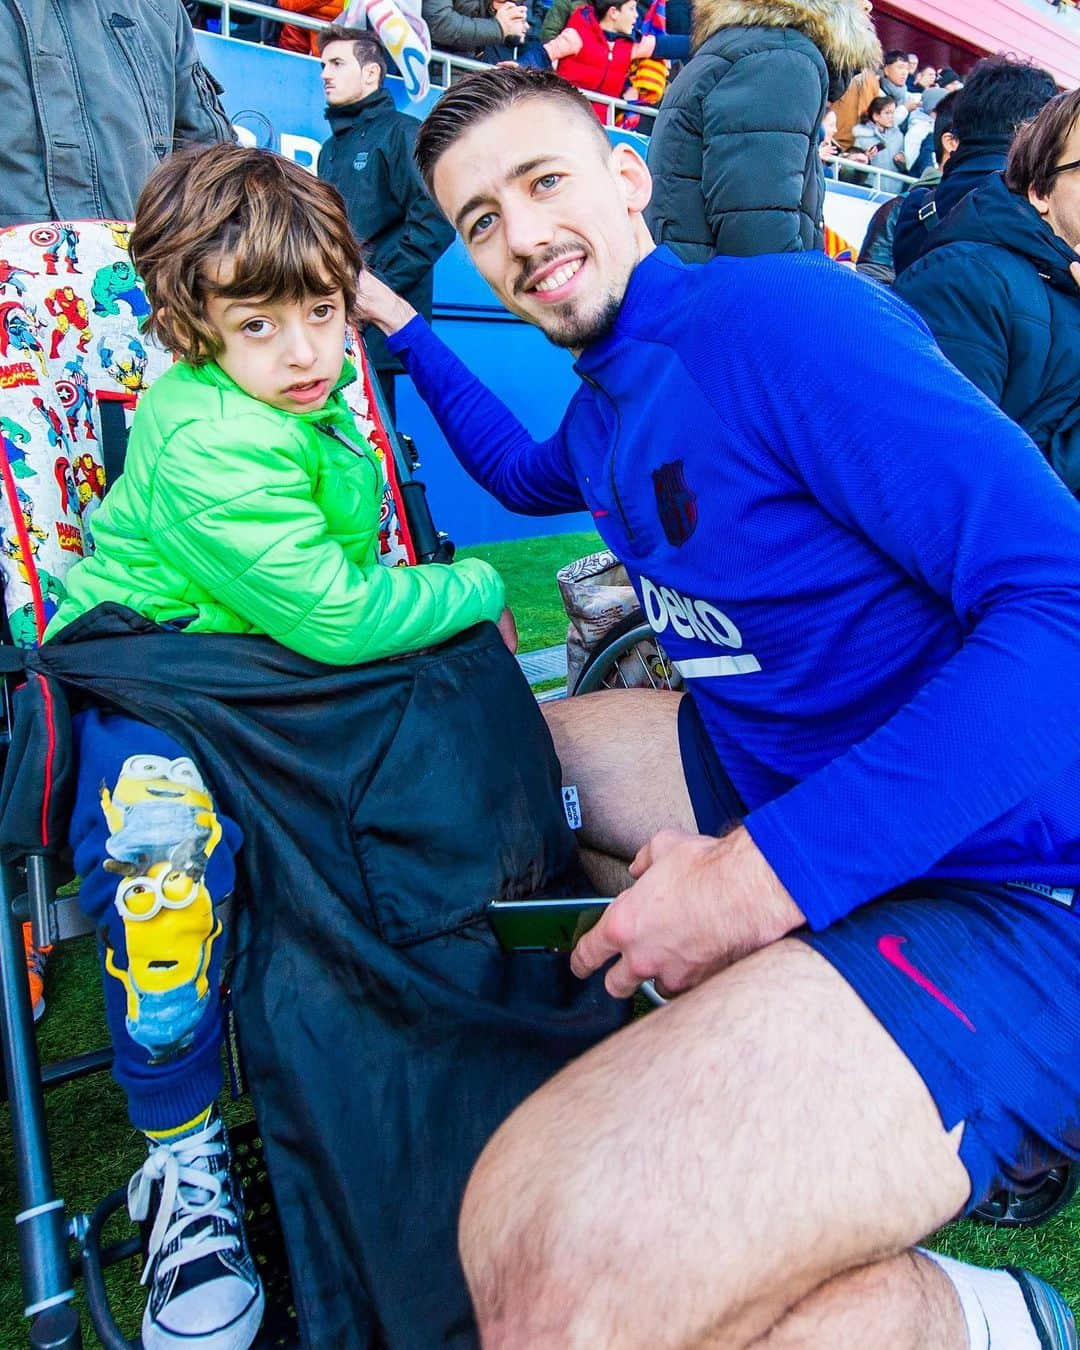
(183, 1187)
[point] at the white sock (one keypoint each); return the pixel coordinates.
(993, 1303)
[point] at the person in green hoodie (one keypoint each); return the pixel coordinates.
(249, 504)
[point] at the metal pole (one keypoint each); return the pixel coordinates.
(40, 1224)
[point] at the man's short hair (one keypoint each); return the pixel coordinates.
(280, 232)
(1000, 94)
(367, 49)
(486, 93)
(943, 122)
(1038, 145)
(895, 55)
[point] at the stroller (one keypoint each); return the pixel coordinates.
(425, 995)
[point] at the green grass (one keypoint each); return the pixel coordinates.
(95, 1150)
(528, 567)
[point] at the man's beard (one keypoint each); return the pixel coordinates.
(565, 328)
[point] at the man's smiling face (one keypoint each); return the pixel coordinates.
(550, 213)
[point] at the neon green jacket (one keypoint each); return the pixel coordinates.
(243, 518)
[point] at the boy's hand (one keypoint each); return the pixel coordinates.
(376, 303)
(508, 629)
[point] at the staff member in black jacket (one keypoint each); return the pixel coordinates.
(369, 160)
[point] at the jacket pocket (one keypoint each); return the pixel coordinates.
(143, 68)
(465, 805)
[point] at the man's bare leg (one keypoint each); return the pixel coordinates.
(620, 749)
(694, 1178)
(905, 1303)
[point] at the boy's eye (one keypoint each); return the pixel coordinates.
(256, 327)
(549, 181)
(324, 311)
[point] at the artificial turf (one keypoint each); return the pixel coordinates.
(95, 1150)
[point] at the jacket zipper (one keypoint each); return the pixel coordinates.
(595, 384)
(342, 439)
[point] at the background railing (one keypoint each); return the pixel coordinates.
(874, 176)
(443, 64)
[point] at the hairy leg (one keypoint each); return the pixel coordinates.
(904, 1303)
(699, 1174)
(609, 876)
(620, 749)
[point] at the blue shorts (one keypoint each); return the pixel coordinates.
(978, 983)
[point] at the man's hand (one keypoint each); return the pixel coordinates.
(1074, 272)
(698, 904)
(512, 19)
(508, 629)
(376, 303)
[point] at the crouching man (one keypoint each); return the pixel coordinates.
(857, 856)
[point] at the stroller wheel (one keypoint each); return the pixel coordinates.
(1033, 1204)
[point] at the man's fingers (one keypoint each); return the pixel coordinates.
(620, 981)
(659, 846)
(643, 860)
(594, 948)
(1074, 271)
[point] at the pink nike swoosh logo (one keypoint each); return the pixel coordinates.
(889, 946)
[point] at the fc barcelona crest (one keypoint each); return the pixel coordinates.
(676, 504)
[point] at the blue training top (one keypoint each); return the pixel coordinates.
(868, 576)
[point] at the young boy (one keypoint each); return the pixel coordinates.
(249, 504)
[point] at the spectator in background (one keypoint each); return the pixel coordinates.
(1001, 93)
(734, 154)
(369, 159)
(948, 80)
(828, 149)
(851, 107)
(89, 133)
(557, 17)
(894, 78)
(880, 139)
(525, 51)
(595, 49)
(468, 26)
(923, 79)
(293, 38)
(997, 283)
(876, 253)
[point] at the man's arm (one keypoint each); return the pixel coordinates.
(199, 117)
(454, 31)
(526, 475)
(426, 234)
(962, 503)
(753, 178)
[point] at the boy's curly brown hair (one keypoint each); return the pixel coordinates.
(226, 220)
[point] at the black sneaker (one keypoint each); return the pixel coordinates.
(204, 1290)
(1051, 1315)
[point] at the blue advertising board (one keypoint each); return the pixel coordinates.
(275, 100)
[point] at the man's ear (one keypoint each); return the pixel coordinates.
(950, 142)
(1039, 202)
(633, 176)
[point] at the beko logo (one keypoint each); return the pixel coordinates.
(691, 618)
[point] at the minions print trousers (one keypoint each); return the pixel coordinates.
(155, 860)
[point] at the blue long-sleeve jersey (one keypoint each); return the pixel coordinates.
(875, 602)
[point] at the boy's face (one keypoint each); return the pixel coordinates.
(283, 352)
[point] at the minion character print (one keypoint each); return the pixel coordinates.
(163, 831)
